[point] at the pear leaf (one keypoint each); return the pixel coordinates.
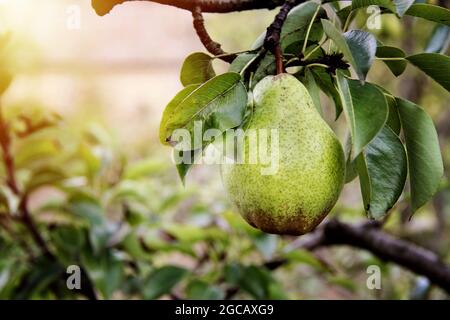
(241, 61)
(162, 280)
(424, 157)
(297, 22)
(363, 47)
(393, 120)
(170, 109)
(266, 67)
(396, 6)
(358, 47)
(325, 82)
(396, 65)
(365, 109)
(430, 12)
(382, 168)
(197, 68)
(435, 65)
(185, 159)
(313, 90)
(217, 104)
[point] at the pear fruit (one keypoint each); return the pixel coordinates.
(311, 164)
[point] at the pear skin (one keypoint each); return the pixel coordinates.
(310, 170)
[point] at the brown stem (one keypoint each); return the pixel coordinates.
(273, 34)
(210, 45)
(103, 7)
(279, 59)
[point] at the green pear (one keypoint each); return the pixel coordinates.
(310, 173)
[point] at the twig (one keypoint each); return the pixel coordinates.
(273, 34)
(103, 7)
(210, 45)
(279, 59)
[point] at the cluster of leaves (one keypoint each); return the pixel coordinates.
(390, 138)
(115, 221)
(124, 223)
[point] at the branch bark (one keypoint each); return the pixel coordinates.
(103, 7)
(369, 237)
(210, 45)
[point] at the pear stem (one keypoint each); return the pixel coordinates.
(279, 60)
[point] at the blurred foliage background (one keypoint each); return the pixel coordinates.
(82, 115)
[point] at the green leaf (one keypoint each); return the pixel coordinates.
(396, 6)
(393, 120)
(338, 39)
(197, 68)
(357, 46)
(382, 168)
(89, 209)
(305, 257)
(37, 281)
(187, 159)
(191, 234)
(144, 169)
(105, 270)
(241, 61)
(363, 46)
(439, 40)
(313, 89)
(430, 12)
(200, 290)
(344, 13)
(171, 108)
(297, 23)
(325, 81)
(256, 281)
(435, 65)
(266, 67)
(365, 109)
(396, 66)
(162, 280)
(350, 164)
(36, 151)
(44, 176)
(424, 156)
(266, 244)
(217, 104)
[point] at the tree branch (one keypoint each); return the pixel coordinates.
(213, 47)
(369, 237)
(103, 7)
